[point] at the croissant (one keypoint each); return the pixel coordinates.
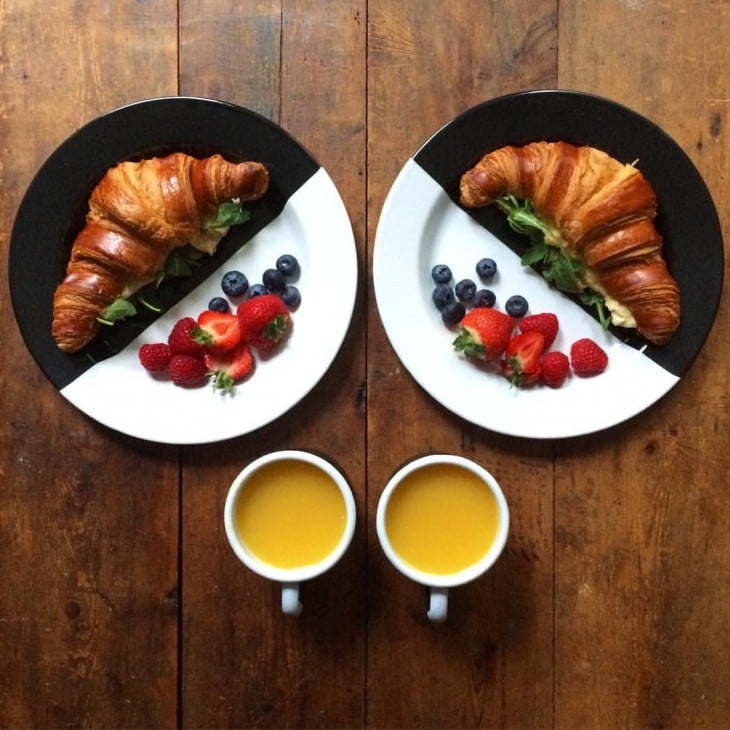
(138, 213)
(602, 213)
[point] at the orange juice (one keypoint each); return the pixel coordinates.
(290, 514)
(441, 519)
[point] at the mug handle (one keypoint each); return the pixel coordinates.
(438, 604)
(290, 603)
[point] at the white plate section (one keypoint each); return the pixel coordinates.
(420, 227)
(314, 227)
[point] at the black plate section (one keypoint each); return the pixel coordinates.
(53, 208)
(686, 218)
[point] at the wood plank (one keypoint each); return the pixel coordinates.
(490, 664)
(641, 550)
(243, 663)
(88, 519)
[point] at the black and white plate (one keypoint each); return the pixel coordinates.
(422, 224)
(301, 214)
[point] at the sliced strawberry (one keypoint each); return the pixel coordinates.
(521, 362)
(545, 322)
(217, 331)
(227, 368)
(484, 333)
(264, 320)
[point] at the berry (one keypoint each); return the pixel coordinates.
(257, 290)
(291, 297)
(484, 298)
(486, 269)
(217, 331)
(545, 322)
(263, 320)
(234, 284)
(273, 280)
(227, 368)
(441, 274)
(555, 368)
(516, 306)
(521, 362)
(465, 290)
(287, 265)
(187, 370)
(452, 313)
(180, 339)
(442, 295)
(484, 334)
(587, 358)
(219, 304)
(155, 358)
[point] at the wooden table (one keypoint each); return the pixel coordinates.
(121, 604)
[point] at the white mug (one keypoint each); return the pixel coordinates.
(439, 582)
(289, 577)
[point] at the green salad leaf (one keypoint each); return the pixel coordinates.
(230, 213)
(547, 256)
(117, 311)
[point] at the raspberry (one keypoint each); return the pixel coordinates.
(555, 368)
(180, 340)
(187, 370)
(587, 358)
(155, 358)
(545, 323)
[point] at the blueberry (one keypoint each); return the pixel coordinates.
(219, 304)
(484, 298)
(442, 295)
(516, 306)
(234, 284)
(465, 290)
(486, 269)
(273, 280)
(441, 274)
(287, 265)
(453, 313)
(291, 297)
(257, 290)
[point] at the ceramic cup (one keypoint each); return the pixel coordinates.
(464, 517)
(274, 518)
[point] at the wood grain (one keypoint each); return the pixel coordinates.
(263, 669)
(490, 665)
(88, 519)
(641, 559)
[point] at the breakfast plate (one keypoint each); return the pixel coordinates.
(422, 224)
(301, 214)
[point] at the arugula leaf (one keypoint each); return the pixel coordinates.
(230, 213)
(118, 310)
(180, 262)
(546, 255)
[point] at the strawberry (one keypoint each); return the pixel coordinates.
(227, 368)
(156, 357)
(180, 339)
(484, 333)
(521, 362)
(263, 320)
(587, 358)
(545, 322)
(217, 331)
(555, 368)
(186, 370)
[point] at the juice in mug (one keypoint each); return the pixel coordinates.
(290, 514)
(442, 519)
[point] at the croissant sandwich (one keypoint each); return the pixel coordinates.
(138, 213)
(595, 210)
